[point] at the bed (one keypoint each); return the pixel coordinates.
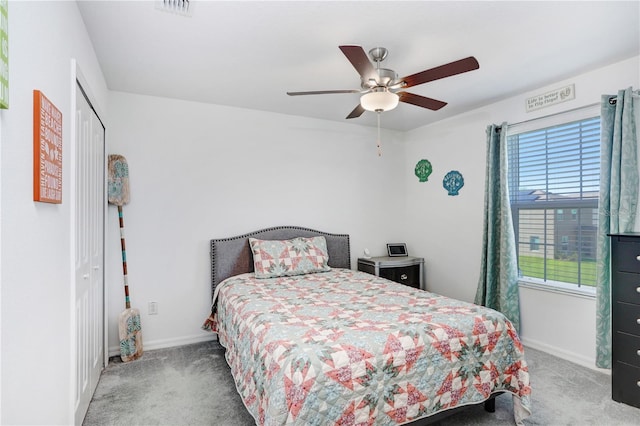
(317, 343)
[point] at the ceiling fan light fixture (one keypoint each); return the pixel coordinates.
(379, 101)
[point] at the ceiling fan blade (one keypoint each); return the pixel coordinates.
(446, 70)
(357, 112)
(358, 58)
(421, 101)
(322, 92)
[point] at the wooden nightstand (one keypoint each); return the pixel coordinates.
(407, 270)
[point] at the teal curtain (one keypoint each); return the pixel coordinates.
(498, 283)
(617, 203)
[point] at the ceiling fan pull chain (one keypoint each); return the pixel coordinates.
(379, 145)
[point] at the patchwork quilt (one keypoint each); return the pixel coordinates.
(348, 348)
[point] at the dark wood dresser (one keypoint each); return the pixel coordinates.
(625, 318)
(407, 270)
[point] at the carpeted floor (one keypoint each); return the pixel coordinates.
(192, 385)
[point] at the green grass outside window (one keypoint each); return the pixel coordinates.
(558, 270)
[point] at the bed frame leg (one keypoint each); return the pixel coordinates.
(490, 405)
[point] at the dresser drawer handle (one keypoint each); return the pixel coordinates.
(637, 289)
(638, 257)
(638, 383)
(404, 277)
(638, 352)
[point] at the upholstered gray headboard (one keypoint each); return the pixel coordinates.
(232, 256)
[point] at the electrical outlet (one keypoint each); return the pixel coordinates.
(153, 308)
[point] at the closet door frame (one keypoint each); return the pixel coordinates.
(78, 81)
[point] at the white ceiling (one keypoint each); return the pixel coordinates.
(249, 54)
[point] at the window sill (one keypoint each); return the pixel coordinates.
(558, 287)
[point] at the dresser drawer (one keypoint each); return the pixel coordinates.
(626, 348)
(624, 254)
(625, 384)
(626, 318)
(407, 275)
(407, 270)
(626, 287)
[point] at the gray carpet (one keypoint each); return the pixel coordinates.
(192, 385)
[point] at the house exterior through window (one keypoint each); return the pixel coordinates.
(554, 181)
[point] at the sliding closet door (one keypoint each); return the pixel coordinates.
(89, 253)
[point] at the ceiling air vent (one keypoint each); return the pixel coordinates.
(178, 7)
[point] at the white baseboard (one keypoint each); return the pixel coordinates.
(169, 343)
(564, 354)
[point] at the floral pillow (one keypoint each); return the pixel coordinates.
(298, 256)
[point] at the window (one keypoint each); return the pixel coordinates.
(554, 180)
(534, 243)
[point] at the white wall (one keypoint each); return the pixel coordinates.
(201, 171)
(447, 230)
(36, 277)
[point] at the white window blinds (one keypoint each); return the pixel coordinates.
(554, 176)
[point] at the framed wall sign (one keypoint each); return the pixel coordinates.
(4, 54)
(553, 97)
(47, 150)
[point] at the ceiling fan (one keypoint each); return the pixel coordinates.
(381, 88)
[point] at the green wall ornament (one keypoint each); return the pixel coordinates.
(423, 170)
